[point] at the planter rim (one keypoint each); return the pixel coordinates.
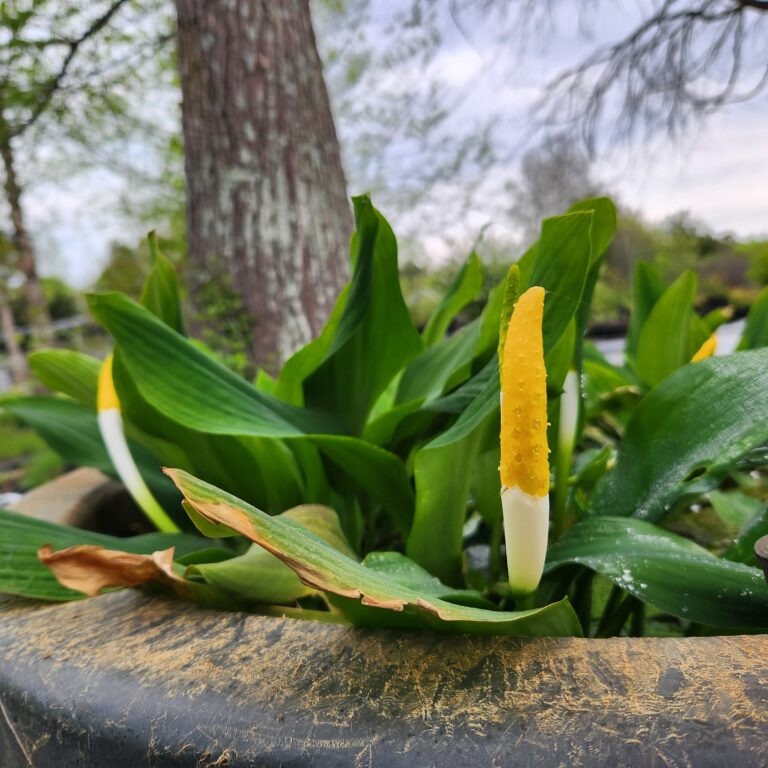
(124, 679)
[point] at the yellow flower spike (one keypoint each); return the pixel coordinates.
(111, 429)
(707, 349)
(524, 466)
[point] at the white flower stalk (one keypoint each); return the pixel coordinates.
(569, 413)
(111, 428)
(524, 466)
(566, 438)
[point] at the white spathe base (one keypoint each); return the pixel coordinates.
(526, 531)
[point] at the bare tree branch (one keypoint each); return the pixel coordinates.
(685, 60)
(50, 89)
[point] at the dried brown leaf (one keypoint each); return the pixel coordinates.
(90, 569)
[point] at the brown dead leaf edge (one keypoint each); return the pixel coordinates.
(89, 569)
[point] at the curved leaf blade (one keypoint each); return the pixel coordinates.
(321, 566)
(666, 570)
(686, 433)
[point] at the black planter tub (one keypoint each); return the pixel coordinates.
(129, 680)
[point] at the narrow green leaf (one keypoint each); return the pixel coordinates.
(375, 337)
(601, 232)
(171, 373)
(666, 570)
(743, 549)
(443, 470)
(756, 328)
(68, 372)
(666, 341)
(560, 267)
(509, 297)
(161, 290)
(686, 434)
(427, 375)
(464, 288)
(647, 288)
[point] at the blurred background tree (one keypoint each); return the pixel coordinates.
(63, 71)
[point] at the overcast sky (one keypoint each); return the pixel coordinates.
(719, 172)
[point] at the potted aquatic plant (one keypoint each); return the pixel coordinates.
(505, 479)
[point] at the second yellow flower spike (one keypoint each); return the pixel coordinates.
(707, 349)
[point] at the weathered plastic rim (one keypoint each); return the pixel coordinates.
(125, 680)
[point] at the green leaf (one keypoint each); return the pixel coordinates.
(172, 374)
(734, 508)
(321, 566)
(647, 288)
(717, 317)
(261, 577)
(443, 471)
(509, 296)
(666, 340)
(601, 233)
(426, 377)
(666, 570)
(298, 367)
(743, 549)
(686, 434)
(600, 379)
(464, 288)
(192, 389)
(21, 573)
(403, 570)
(485, 482)
(560, 267)
(375, 337)
(262, 470)
(161, 290)
(756, 328)
(379, 472)
(71, 373)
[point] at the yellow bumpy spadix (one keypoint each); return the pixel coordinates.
(106, 396)
(524, 452)
(707, 349)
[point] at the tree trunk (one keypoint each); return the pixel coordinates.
(267, 207)
(26, 263)
(18, 363)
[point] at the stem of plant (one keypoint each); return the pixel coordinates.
(525, 603)
(637, 623)
(560, 494)
(567, 427)
(616, 620)
(495, 554)
(614, 598)
(582, 600)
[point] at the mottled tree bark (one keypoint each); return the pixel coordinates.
(25, 262)
(267, 207)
